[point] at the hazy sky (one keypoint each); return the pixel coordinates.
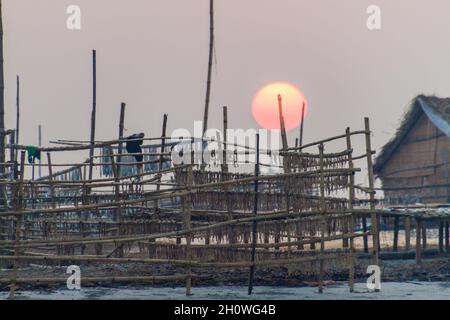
(152, 54)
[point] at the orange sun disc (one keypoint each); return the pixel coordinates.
(265, 105)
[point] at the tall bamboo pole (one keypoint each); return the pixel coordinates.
(94, 111)
(2, 104)
(17, 108)
(187, 211)
(18, 227)
(282, 126)
(40, 145)
(121, 130)
(351, 199)
(225, 140)
(301, 124)
(254, 226)
(210, 60)
(322, 220)
(418, 248)
(373, 216)
(50, 178)
(161, 157)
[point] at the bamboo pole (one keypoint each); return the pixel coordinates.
(447, 237)
(94, 111)
(118, 213)
(424, 236)
(50, 176)
(254, 226)
(351, 199)
(17, 108)
(40, 145)
(441, 237)
(225, 140)
(373, 217)
(2, 103)
(121, 130)
(187, 208)
(418, 248)
(396, 229)
(210, 61)
(12, 158)
(323, 141)
(161, 158)
(322, 224)
(407, 233)
(224, 168)
(282, 125)
(18, 226)
(119, 279)
(301, 125)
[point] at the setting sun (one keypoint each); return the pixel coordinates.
(265, 105)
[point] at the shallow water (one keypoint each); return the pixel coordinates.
(389, 290)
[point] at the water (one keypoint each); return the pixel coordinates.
(389, 290)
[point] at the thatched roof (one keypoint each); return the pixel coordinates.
(436, 109)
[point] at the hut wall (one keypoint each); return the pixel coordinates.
(420, 160)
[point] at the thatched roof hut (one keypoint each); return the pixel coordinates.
(414, 164)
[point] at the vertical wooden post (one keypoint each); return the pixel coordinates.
(365, 238)
(224, 168)
(418, 248)
(254, 225)
(351, 199)
(2, 104)
(18, 227)
(322, 220)
(447, 239)
(407, 233)
(40, 145)
(210, 60)
(94, 111)
(441, 237)
(396, 229)
(118, 213)
(187, 211)
(50, 178)
(301, 124)
(12, 156)
(161, 158)
(225, 141)
(17, 108)
(373, 216)
(121, 130)
(282, 125)
(424, 235)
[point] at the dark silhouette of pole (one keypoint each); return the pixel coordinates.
(301, 124)
(121, 130)
(2, 101)
(282, 125)
(94, 111)
(254, 229)
(211, 52)
(17, 108)
(40, 145)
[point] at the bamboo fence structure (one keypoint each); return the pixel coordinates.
(184, 217)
